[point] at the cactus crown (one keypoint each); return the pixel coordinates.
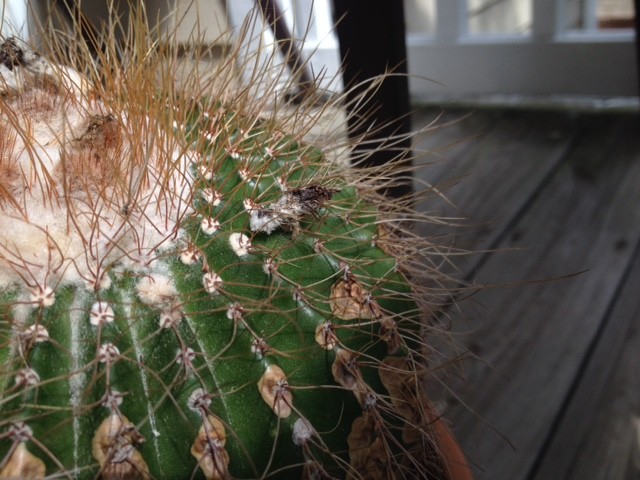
(187, 288)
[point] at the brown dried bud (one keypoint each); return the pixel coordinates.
(368, 452)
(405, 391)
(114, 447)
(346, 372)
(350, 301)
(389, 334)
(275, 391)
(208, 449)
(23, 464)
(325, 336)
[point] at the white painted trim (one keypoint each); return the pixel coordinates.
(547, 20)
(14, 19)
(559, 68)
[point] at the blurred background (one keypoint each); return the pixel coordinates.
(496, 49)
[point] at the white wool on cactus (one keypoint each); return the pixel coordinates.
(78, 190)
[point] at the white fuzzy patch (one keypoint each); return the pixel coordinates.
(259, 347)
(234, 153)
(212, 282)
(209, 225)
(43, 296)
(170, 317)
(99, 283)
(37, 333)
(211, 136)
(235, 312)
(61, 236)
(269, 266)
(240, 244)
(212, 197)
(262, 221)
(190, 255)
(27, 377)
(20, 432)
(108, 353)
(205, 171)
(156, 289)
(186, 356)
(101, 313)
(249, 205)
(112, 399)
(303, 431)
(199, 400)
(245, 173)
(35, 68)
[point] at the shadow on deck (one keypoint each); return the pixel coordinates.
(550, 387)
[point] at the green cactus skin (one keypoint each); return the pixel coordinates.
(269, 264)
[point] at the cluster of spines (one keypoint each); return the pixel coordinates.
(304, 279)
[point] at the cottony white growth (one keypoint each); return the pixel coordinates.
(62, 221)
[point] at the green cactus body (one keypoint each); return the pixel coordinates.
(204, 301)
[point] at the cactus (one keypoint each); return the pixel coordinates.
(187, 290)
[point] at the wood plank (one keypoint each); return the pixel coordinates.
(489, 164)
(532, 339)
(598, 436)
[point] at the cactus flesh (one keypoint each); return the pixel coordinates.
(188, 291)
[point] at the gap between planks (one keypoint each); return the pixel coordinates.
(523, 340)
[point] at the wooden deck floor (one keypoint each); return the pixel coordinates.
(550, 388)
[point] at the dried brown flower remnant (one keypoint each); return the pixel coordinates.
(114, 447)
(368, 451)
(208, 449)
(275, 391)
(350, 300)
(290, 208)
(23, 465)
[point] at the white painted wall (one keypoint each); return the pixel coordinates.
(311, 24)
(14, 19)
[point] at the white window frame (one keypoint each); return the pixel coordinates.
(551, 61)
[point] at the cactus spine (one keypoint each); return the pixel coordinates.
(187, 290)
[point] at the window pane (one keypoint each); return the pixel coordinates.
(598, 14)
(499, 17)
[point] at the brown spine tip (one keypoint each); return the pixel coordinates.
(114, 447)
(208, 449)
(23, 464)
(275, 391)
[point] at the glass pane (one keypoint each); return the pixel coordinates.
(598, 14)
(420, 16)
(512, 17)
(615, 14)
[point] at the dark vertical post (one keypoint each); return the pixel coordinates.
(636, 22)
(73, 13)
(372, 42)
